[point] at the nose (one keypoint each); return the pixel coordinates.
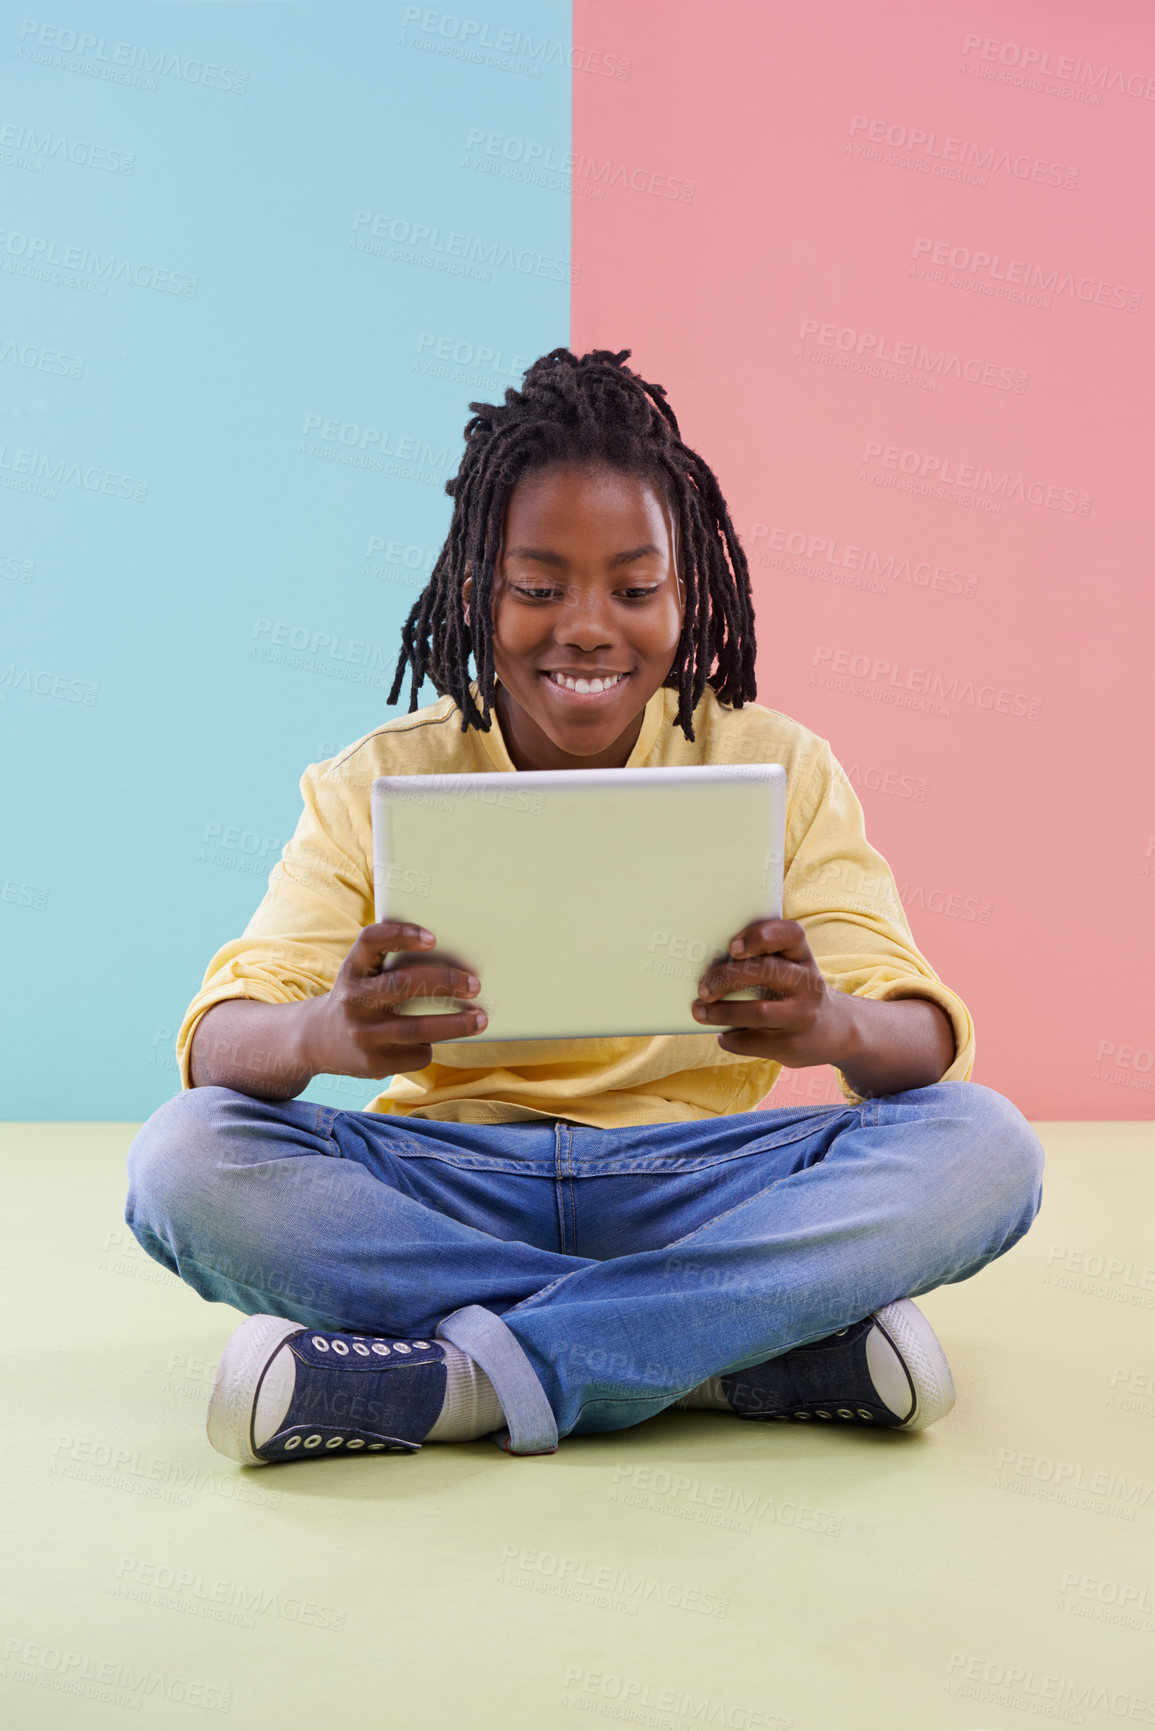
(586, 623)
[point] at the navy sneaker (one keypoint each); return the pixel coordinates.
(288, 1393)
(888, 1369)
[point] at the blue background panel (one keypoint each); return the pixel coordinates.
(255, 261)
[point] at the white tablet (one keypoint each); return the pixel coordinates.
(588, 902)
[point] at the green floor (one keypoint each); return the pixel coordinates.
(693, 1572)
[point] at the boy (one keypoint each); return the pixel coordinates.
(539, 1239)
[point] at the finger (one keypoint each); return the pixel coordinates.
(432, 1029)
(396, 985)
(771, 937)
(773, 974)
(398, 1061)
(375, 942)
(747, 1043)
(754, 1013)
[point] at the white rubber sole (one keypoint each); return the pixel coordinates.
(246, 1357)
(917, 1345)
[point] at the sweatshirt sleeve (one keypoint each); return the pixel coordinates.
(319, 896)
(842, 892)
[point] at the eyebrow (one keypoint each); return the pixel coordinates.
(544, 557)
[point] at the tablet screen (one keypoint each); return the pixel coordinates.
(588, 902)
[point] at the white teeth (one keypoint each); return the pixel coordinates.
(585, 685)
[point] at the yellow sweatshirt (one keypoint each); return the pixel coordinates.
(837, 886)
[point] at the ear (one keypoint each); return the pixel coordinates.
(466, 586)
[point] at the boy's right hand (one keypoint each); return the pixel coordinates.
(359, 1029)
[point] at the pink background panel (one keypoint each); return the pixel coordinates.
(895, 268)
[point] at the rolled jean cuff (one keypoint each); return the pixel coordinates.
(528, 1414)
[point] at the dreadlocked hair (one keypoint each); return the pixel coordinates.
(591, 409)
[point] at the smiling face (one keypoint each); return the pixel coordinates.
(585, 589)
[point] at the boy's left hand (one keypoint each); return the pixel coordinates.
(798, 1022)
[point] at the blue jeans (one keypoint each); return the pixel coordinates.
(596, 1275)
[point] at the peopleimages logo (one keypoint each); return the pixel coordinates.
(1052, 280)
(40, 360)
(568, 167)
(1100, 1482)
(329, 643)
(920, 144)
(465, 254)
(472, 355)
(104, 1678)
(1006, 1684)
(1067, 68)
(874, 346)
(878, 780)
(889, 567)
(37, 472)
(505, 49)
(972, 477)
(34, 254)
(353, 434)
(98, 58)
(640, 1700)
(33, 149)
(888, 680)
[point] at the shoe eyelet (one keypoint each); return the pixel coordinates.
(340, 1346)
(334, 1442)
(838, 1332)
(801, 1415)
(380, 1349)
(362, 1351)
(819, 1414)
(400, 1346)
(862, 1413)
(356, 1442)
(423, 1343)
(320, 1343)
(311, 1442)
(782, 1417)
(293, 1443)
(376, 1445)
(845, 1412)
